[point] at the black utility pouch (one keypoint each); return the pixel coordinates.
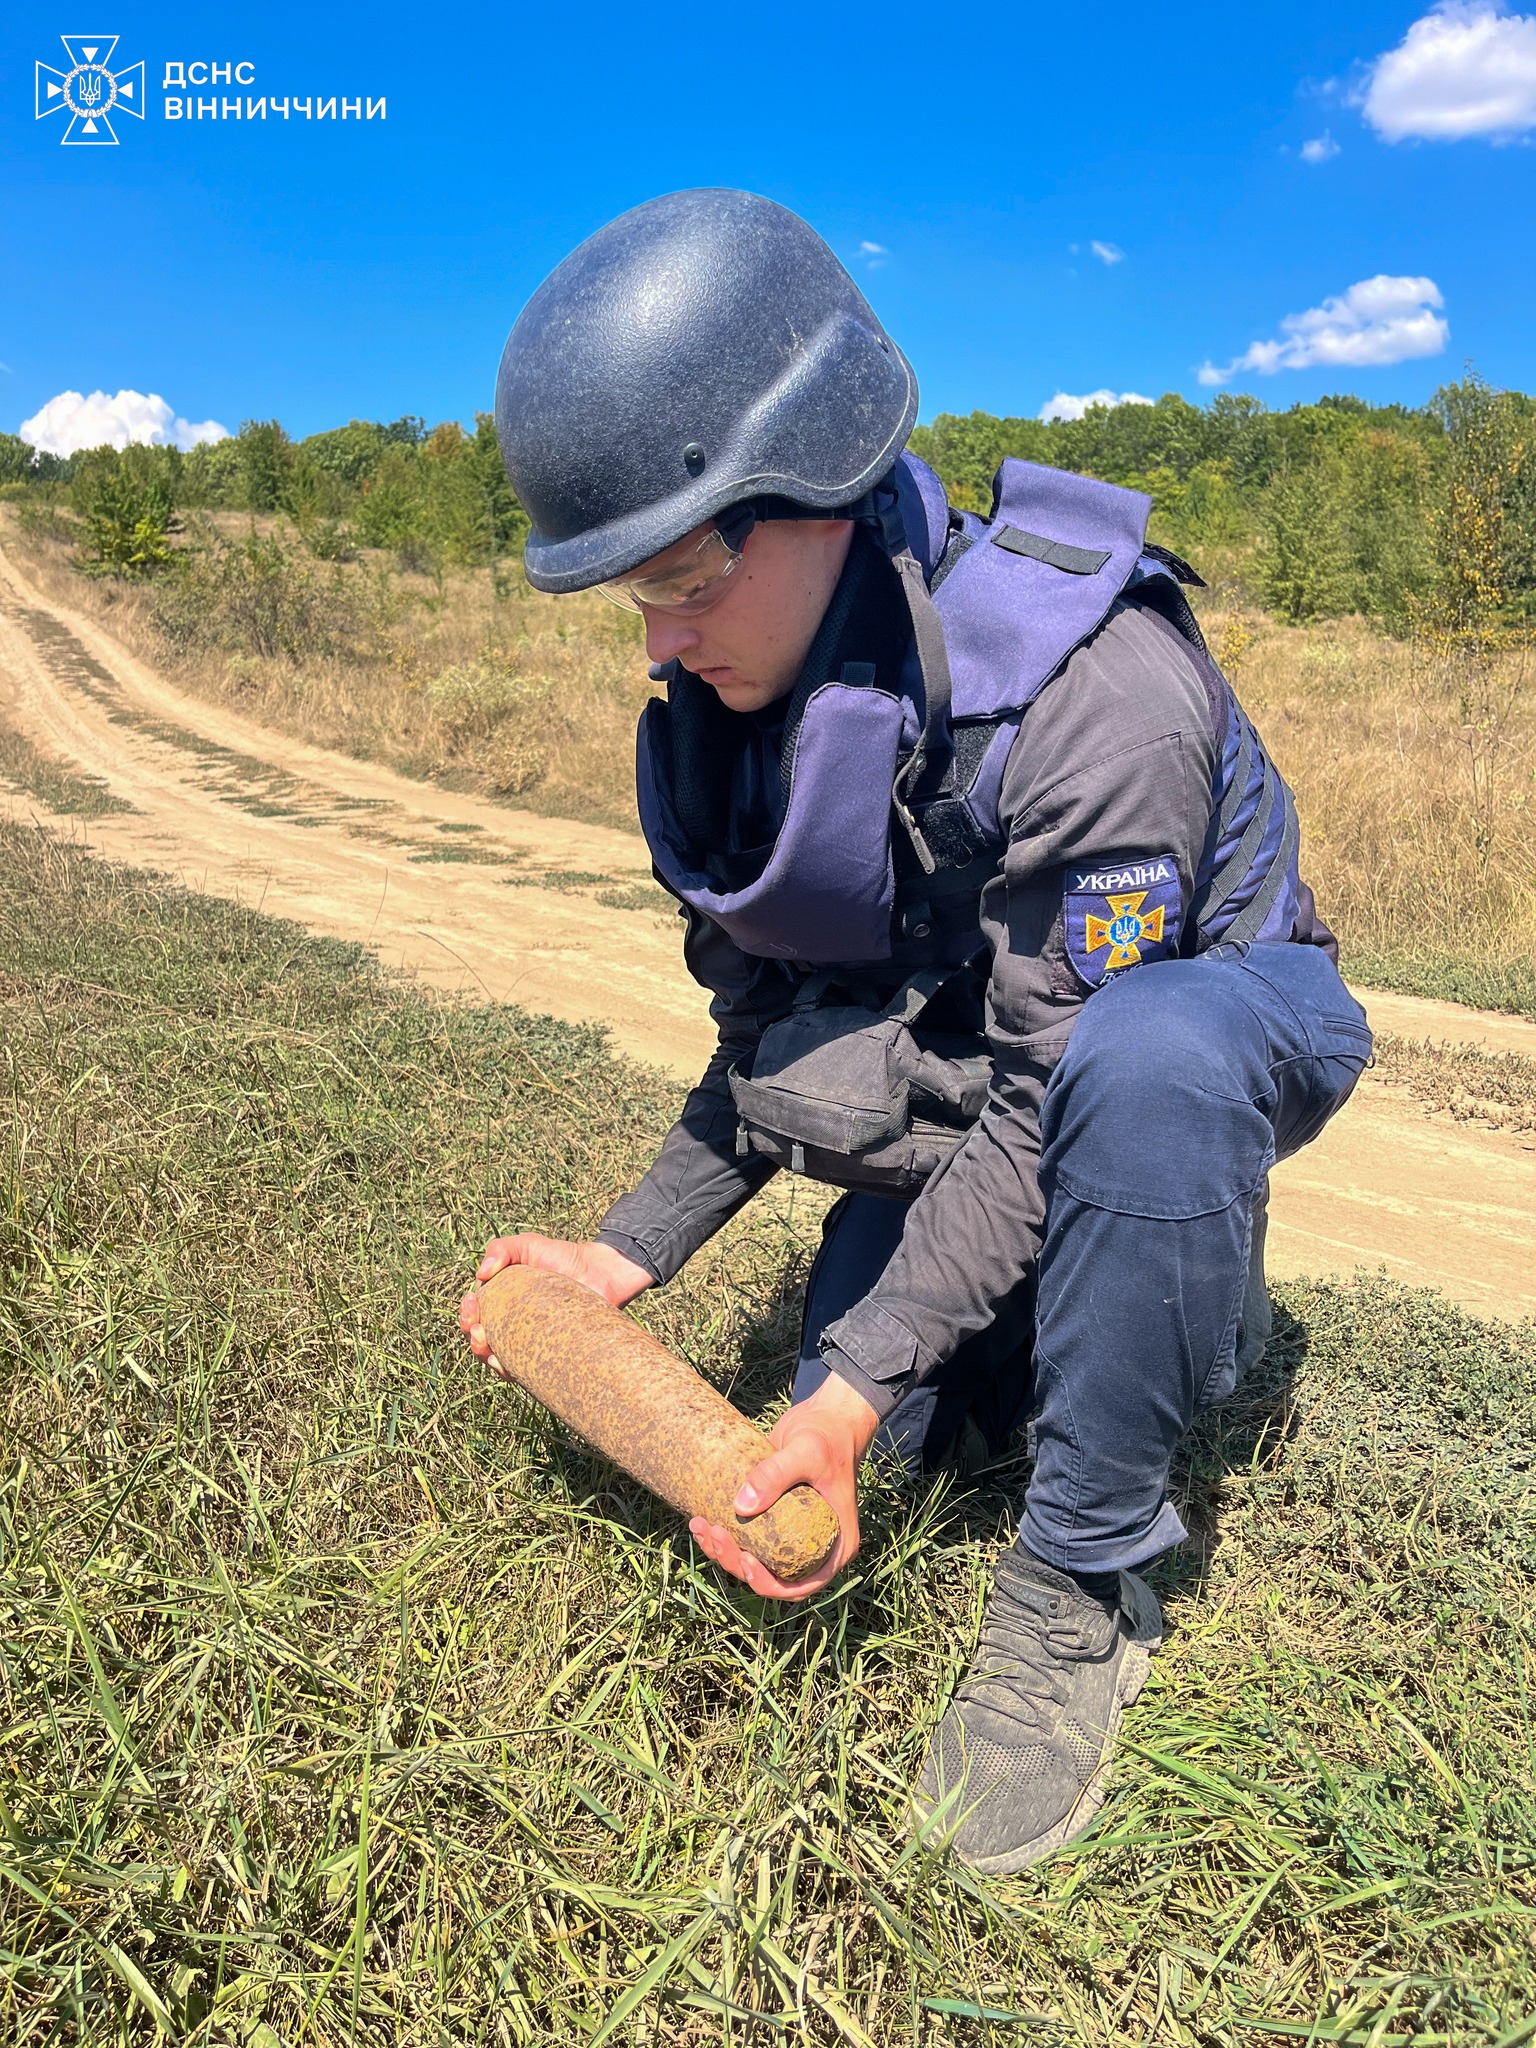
(849, 1095)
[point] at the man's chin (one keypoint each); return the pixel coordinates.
(734, 691)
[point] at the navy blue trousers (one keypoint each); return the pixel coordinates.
(1183, 1083)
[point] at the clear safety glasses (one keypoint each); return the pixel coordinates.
(689, 587)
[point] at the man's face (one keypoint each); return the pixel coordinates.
(751, 642)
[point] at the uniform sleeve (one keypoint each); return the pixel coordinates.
(697, 1182)
(1111, 773)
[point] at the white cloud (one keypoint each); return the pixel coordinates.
(1380, 320)
(1466, 68)
(71, 422)
(875, 255)
(1064, 406)
(1319, 149)
(1107, 252)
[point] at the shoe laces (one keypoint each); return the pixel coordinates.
(1035, 1632)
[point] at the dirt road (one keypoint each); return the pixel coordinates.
(477, 897)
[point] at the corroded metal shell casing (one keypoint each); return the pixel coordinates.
(647, 1410)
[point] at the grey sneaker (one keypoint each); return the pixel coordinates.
(1021, 1760)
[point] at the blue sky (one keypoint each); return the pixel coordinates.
(318, 270)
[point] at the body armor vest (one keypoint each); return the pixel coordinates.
(892, 771)
(1015, 594)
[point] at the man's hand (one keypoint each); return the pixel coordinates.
(819, 1442)
(598, 1266)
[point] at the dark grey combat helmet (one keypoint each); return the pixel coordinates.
(705, 349)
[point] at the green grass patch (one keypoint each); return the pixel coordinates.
(565, 881)
(344, 1699)
(64, 790)
(639, 896)
(1482, 982)
(459, 855)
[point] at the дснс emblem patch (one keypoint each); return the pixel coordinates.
(89, 92)
(1120, 915)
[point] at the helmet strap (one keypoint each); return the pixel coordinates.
(735, 523)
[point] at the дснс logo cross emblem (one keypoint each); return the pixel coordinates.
(89, 92)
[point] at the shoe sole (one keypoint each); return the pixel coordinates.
(1145, 1639)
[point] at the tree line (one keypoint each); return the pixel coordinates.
(1400, 513)
(1403, 514)
(431, 496)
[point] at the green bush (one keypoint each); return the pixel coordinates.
(125, 500)
(15, 460)
(446, 498)
(211, 474)
(1484, 520)
(391, 508)
(257, 596)
(1329, 508)
(21, 463)
(1305, 562)
(266, 465)
(1390, 481)
(348, 454)
(330, 541)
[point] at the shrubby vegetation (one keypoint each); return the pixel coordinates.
(127, 511)
(256, 596)
(1316, 512)
(1405, 516)
(433, 498)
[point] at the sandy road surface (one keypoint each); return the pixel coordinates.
(468, 894)
(476, 897)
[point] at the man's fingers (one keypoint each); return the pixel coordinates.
(472, 1328)
(500, 1252)
(722, 1548)
(719, 1545)
(801, 1462)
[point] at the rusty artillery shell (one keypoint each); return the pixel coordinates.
(648, 1411)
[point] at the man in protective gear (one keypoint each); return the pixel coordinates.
(996, 891)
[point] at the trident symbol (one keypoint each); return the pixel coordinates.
(90, 92)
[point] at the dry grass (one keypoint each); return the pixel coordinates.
(1493, 1088)
(1415, 775)
(471, 679)
(1415, 772)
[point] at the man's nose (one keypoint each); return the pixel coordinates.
(667, 636)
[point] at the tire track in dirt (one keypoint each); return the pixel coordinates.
(470, 895)
(481, 899)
